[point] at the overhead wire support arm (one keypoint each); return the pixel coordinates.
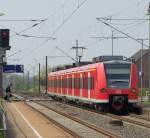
(107, 24)
(66, 54)
(129, 19)
(19, 20)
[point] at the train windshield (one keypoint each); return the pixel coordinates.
(118, 75)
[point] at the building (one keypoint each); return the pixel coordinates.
(145, 66)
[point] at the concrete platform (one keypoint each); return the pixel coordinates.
(24, 122)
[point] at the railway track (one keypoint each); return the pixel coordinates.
(138, 121)
(140, 117)
(132, 118)
(77, 127)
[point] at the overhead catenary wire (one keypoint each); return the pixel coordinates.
(25, 35)
(58, 28)
(66, 54)
(107, 24)
(19, 20)
(67, 18)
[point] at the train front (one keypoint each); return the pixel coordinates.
(122, 84)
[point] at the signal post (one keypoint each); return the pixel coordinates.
(4, 45)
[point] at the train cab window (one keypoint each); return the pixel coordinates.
(118, 75)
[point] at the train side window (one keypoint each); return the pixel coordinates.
(54, 83)
(92, 82)
(61, 83)
(67, 82)
(72, 85)
(58, 83)
(49, 83)
(80, 83)
(85, 83)
(89, 82)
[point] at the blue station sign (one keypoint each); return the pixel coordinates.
(13, 69)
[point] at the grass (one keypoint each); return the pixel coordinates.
(1, 126)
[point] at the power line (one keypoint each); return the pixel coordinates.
(67, 18)
(58, 28)
(19, 20)
(99, 19)
(127, 8)
(124, 19)
(66, 54)
(33, 36)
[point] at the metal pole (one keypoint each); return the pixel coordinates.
(142, 71)
(46, 77)
(39, 80)
(1, 80)
(1, 71)
(34, 77)
(28, 79)
(77, 52)
(112, 38)
(149, 52)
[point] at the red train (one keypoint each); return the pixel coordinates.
(105, 85)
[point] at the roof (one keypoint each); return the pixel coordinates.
(86, 67)
(137, 55)
(75, 69)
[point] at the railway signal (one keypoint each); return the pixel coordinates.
(4, 38)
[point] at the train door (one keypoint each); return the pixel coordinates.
(54, 84)
(70, 84)
(67, 85)
(77, 84)
(92, 84)
(89, 85)
(85, 83)
(63, 84)
(81, 84)
(73, 89)
(59, 84)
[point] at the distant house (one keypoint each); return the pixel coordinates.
(145, 66)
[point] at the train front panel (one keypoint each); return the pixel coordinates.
(118, 84)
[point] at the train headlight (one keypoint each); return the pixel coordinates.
(133, 90)
(102, 90)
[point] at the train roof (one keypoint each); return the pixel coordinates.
(87, 67)
(118, 61)
(75, 69)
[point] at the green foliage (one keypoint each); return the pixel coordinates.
(144, 91)
(27, 82)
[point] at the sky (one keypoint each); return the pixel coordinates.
(64, 22)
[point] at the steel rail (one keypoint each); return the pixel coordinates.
(121, 118)
(91, 126)
(56, 123)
